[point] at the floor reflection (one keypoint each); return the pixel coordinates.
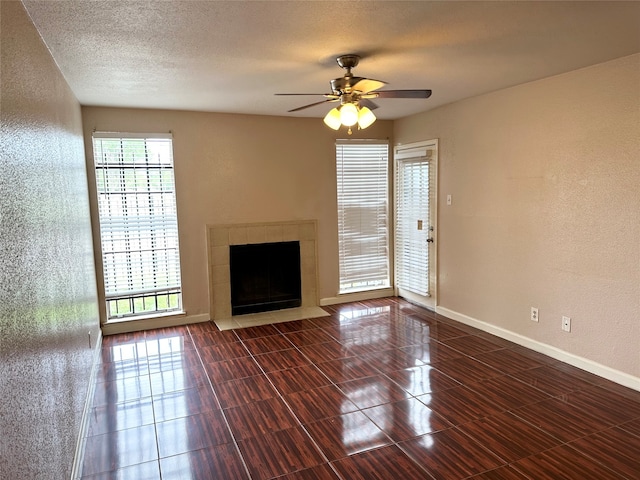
(375, 386)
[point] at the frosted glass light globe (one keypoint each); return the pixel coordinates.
(349, 114)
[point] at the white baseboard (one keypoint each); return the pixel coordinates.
(357, 297)
(126, 326)
(553, 352)
(81, 442)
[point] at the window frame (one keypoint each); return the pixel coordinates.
(139, 246)
(364, 262)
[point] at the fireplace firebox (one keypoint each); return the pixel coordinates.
(265, 277)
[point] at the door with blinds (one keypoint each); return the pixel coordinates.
(415, 173)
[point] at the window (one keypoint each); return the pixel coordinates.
(363, 220)
(138, 223)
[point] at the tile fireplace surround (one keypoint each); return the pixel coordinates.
(220, 237)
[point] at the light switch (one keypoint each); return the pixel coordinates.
(448, 199)
(419, 224)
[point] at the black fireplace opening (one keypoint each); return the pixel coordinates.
(265, 277)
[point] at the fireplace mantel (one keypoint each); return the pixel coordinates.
(220, 237)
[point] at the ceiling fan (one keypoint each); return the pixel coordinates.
(354, 95)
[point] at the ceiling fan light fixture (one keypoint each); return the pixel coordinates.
(332, 119)
(365, 118)
(348, 114)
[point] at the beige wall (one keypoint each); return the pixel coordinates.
(545, 182)
(242, 169)
(48, 302)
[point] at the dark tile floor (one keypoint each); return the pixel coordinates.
(378, 390)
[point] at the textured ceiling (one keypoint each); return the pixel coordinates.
(232, 56)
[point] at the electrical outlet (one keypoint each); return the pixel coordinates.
(534, 314)
(566, 324)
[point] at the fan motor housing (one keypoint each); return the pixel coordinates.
(344, 84)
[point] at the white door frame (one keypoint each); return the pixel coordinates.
(417, 150)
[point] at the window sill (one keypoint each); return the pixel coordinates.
(364, 290)
(146, 322)
(133, 318)
(359, 296)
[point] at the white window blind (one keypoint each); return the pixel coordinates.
(363, 215)
(138, 223)
(412, 225)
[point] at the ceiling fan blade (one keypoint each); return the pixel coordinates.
(289, 94)
(403, 94)
(368, 103)
(368, 85)
(312, 105)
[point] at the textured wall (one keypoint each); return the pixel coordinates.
(242, 169)
(47, 281)
(545, 182)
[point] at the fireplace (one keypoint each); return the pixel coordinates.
(264, 277)
(220, 239)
